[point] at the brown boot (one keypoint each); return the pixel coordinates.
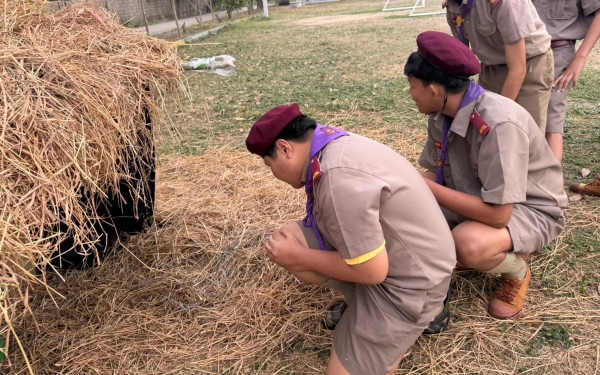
(510, 296)
(587, 189)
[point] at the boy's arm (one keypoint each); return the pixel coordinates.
(471, 206)
(516, 60)
(578, 63)
(428, 175)
(290, 254)
(309, 277)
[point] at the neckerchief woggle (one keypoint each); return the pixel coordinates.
(322, 136)
(473, 92)
(460, 19)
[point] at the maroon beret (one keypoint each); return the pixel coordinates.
(447, 54)
(267, 128)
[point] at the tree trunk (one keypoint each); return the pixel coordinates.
(175, 15)
(144, 16)
(265, 9)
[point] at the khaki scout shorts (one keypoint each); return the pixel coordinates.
(557, 108)
(373, 332)
(535, 91)
(529, 229)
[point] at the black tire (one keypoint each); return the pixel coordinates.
(117, 218)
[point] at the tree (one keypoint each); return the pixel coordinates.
(230, 5)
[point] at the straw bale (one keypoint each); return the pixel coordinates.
(74, 88)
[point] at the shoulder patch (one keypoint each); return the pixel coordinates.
(482, 127)
(316, 168)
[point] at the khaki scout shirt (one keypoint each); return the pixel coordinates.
(512, 164)
(567, 19)
(491, 24)
(369, 197)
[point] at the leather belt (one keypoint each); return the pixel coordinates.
(561, 43)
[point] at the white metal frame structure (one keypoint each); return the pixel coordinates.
(417, 4)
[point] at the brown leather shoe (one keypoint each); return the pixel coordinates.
(587, 189)
(510, 296)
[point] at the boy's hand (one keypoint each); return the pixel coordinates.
(283, 248)
(571, 75)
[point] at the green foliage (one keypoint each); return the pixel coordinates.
(549, 335)
(2, 346)
(231, 5)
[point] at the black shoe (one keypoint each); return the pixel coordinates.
(334, 315)
(440, 323)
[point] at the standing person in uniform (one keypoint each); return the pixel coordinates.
(513, 46)
(567, 22)
(372, 225)
(488, 166)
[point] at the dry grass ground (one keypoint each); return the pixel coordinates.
(196, 295)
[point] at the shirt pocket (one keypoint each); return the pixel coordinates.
(487, 28)
(561, 10)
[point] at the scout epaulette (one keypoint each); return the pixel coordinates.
(479, 123)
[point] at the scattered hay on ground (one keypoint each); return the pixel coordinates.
(197, 295)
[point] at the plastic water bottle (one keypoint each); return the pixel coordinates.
(223, 65)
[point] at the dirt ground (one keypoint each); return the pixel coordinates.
(329, 20)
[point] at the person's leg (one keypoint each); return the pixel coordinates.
(480, 246)
(380, 326)
(555, 141)
(335, 312)
(536, 89)
(488, 249)
(334, 367)
(306, 239)
(557, 106)
(503, 251)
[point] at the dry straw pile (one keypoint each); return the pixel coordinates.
(73, 89)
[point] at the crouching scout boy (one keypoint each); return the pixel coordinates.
(489, 167)
(371, 223)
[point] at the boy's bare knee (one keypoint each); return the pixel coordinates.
(292, 227)
(468, 247)
(335, 367)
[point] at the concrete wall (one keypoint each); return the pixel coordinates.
(130, 11)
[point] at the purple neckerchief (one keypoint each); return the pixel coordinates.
(322, 136)
(473, 92)
(461, 23)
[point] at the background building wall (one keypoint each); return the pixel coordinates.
(130, 11)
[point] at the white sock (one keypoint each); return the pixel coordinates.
(512, 265)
